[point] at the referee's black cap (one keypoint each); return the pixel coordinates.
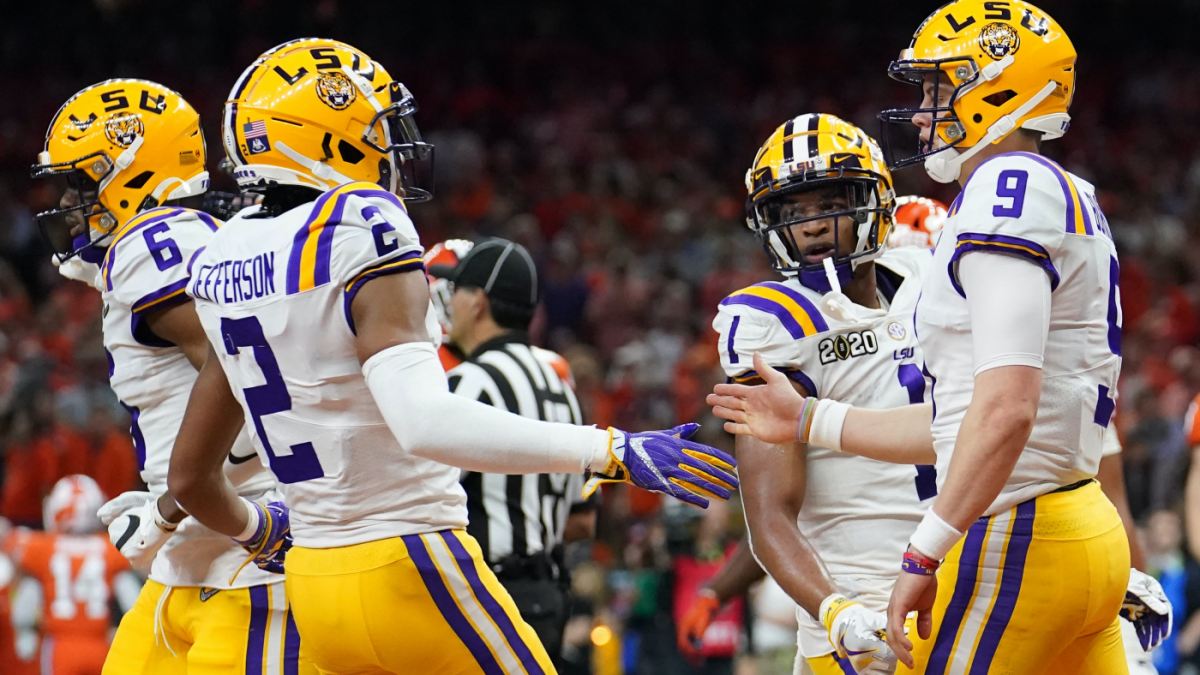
(503, 269)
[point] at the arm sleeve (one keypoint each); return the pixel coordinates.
(1009, 301)
(411, 390)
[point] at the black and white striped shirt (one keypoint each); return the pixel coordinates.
(520, 515)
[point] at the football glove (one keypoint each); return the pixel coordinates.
(696, 621)
(1146, 606)
(135, 527)
(269, 544)
(858, 635)
(666, 462)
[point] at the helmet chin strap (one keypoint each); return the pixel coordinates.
(945, 166)
(322, 171)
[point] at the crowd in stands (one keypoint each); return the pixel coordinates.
(611, 140)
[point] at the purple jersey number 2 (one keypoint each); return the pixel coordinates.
(266, 399)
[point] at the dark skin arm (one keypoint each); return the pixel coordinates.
(179, 324)
(210, 426)
(773, 486)
(737, 575)
(390, 311)
(1111, 475)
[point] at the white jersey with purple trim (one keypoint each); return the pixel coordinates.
(1025, 205)
(144, 270)
(858, 513)
(274, 296)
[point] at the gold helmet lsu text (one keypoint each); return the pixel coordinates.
(812, 152)
(318, 113)
(121, 146)
(1007, 65)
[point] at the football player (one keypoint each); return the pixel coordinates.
(128, 153)
(70, 574)
(324, 342)
(828, 525)
(1020, 326)
(919, 222)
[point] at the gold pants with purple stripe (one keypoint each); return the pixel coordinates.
(414, 604)
(1033, 590)
(200, 631)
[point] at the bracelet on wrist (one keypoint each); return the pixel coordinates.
(915, 563)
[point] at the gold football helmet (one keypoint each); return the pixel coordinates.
(123, 146)
(319, 113)
(1007, 65)
(813, 151)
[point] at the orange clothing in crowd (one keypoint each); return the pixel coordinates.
(76, 573)
(1191, 422)
(114, 464)
(29, 473)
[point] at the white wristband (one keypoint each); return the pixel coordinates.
(828, 420)
(162, 523)
(252, 522)
(934, 537)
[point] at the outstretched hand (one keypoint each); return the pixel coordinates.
(769, 412)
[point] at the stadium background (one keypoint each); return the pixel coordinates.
(611, 139)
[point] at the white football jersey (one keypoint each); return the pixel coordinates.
(1026, 205)
(146, 269)
(858, 513)
(274, 296)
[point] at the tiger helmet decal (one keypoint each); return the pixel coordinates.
(335, 89)
(123, 128)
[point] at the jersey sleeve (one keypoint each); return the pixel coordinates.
(1018, 204)
(355, 233)
(147, 266)
(774, 321)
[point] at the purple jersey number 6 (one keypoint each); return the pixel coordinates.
(266, 399)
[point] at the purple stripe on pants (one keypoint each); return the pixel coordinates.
(964, 590)
(467, 564)
(260, 612)
(291, 647)
(1010, 587)
(446, 605)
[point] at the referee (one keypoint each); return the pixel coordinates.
(520, 521)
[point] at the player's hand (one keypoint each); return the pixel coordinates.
(135, 527)
(269, 545)
(78, 270)
(858, 634)
(691, 629)
(912, 592)
(770, 412)
(1147, 607)
(666, 462)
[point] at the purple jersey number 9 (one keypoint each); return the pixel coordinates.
(301, 463)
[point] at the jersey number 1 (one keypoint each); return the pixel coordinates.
(300, 463)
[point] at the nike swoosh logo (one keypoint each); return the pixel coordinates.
(134, 523)
(206, 593)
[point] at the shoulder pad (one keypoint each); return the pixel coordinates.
(795, 312)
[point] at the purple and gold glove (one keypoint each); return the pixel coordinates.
(271, 539)
(666, 462)
(1146, 606)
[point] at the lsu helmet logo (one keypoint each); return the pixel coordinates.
(335, 89)
(123, 128)
(998, 40)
